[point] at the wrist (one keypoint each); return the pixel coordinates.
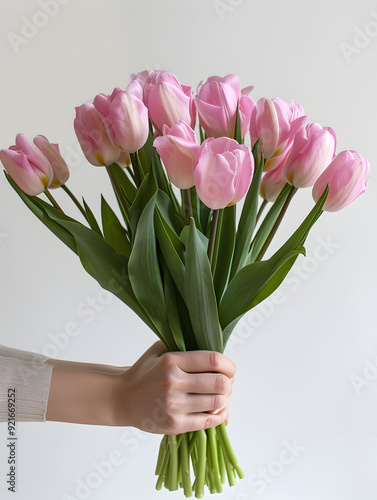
(82, 397)
(121, 407)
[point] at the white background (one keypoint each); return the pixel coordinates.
(295, 356)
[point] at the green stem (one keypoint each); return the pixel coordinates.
(163, 470)
(52, 199)
(260, 211)
(201, 472)
(118, 192)
(187, 203)
(135, 165)
(217, 240)
(173, 463)
(75, 201)
(228, 464)
(185, 466)
(194, 437)
(229, 449)
(221, 461)
(212, 235)
(161, 455)
(214, 458)
(275, 227)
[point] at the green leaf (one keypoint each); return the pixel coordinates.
(299, 236)
(105, 265)
(200, 294)
(40, 210)
(237, 131)
(162, 180)
(146, 152)
(205, 217)
(226, 248)
(172, 310)
(267, 224)
(203, 136)
(184, 237)
(125, 183)
(270, 287)
(144, 271)
(145, 192)
(248, 217)
(175, 219)
(249, 285)
(172, 250)
(258, 280)
(115, 234)
(91, 219)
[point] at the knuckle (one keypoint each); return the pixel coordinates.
(215, 360)
(208, 422)
(170, 405)
(172, 423)
(168, 384)
(219, 401)
(222, 383)
(168, 360)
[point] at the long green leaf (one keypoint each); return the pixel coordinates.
(226, 245)
(105, 265)
(248, 217)
(172, 310)
(124, 182)
(267, 224)
(200, 294)
(175, 219)
(91, 219)
(39, 209)
(115, 234)
(144, 271)
(172, 250)
(249, 283)
(256, 281)
(270, 287)
(145, 192)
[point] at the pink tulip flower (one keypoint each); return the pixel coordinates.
(27, 166)
(313, 150)
(168, 101)
(136, 85)
(93, 138)
(346, 178)
(52, 153)
(223, 173)
(272, 183)
(217, 101)
(125, 118)
(179, 151)
(276, 122)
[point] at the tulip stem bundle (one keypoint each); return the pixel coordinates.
(187, 268)
(212, 458)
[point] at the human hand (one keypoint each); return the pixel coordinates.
(176, 392)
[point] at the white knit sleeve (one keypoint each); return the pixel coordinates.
(26, 373)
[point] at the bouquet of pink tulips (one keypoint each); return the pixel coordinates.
(179, 256)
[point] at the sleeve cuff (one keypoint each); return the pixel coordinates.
(27, 373)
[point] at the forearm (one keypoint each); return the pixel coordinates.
(83, 396)
(93, 367)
